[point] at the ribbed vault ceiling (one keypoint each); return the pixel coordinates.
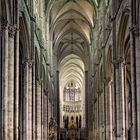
(71, 24)
(71, 69)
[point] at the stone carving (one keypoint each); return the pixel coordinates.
(52, 129)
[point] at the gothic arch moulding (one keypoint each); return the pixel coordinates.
(37, 63)
(123, 34)
(109, 62)
(24, 37)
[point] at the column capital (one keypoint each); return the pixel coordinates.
(25, 62)
(107, 80)
(12, 30)
(117, 62)
(99, 91)
(135, 30)
(28, 62)
(45, 92)
(39, 81)
(4, 24)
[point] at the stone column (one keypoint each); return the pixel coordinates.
(123, 98)
(135, 69)
(58, 104)
(87, 119)
(136, 31)
(138, 82)
(38, 111)
(33, 69)
(11, 83)
(101, 114)
(118, 92)
(29, 103)
(138, 87)
(110, 110)
(28, 99)
(42, 109)
(120, 99)
(16, 112)
(16, 57)
(135, 74)
(48, 115)
(107, 109)
(25, 100)
(114, 56)
(113, 94)
(0, 81)
(98, 116)
(5, 79)
(45, 116)
(118, 131)
(34, 104)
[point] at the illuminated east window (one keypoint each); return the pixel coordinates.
(72, 93)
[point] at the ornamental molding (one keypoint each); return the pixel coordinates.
(4, 24)
(12, 30)
(135, 30)
(99, 91)
(28, 62)
(39, 81)
(117, 62)
(107, 80)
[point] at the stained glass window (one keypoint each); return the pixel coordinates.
(71, 93)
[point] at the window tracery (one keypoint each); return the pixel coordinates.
(72, 93)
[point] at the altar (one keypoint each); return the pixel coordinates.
(72, 134)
